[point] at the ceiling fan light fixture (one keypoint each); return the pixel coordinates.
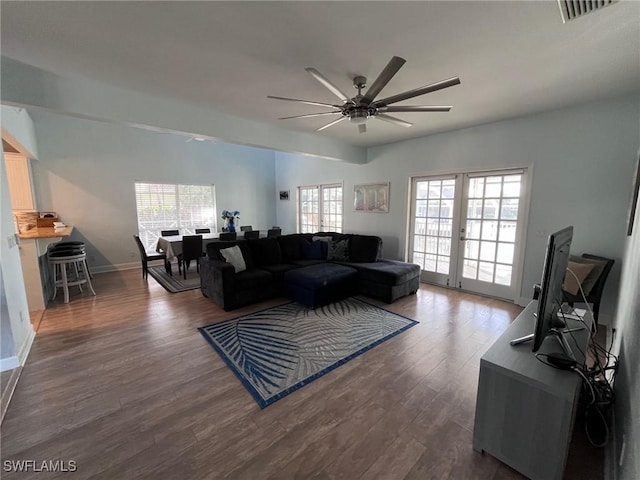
(358, 119)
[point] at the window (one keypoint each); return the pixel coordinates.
(165, 206)
(320, 208)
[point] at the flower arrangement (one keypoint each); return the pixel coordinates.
(230, 216)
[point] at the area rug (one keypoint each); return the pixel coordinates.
(175, 283)
(278, 350)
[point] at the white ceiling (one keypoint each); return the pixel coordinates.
(513, 58)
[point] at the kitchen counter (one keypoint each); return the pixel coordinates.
(46, 232)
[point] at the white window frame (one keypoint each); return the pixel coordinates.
(320, 188)
(150, 231)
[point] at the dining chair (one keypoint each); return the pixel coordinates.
(246, 228)
(227, 236)
(191, 250)
(203, 230)
(274, 232)
(251, 234)
(169, 233)
(147, 257)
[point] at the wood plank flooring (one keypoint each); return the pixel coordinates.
(125, 385)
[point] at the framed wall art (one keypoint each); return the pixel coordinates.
(284, 194)
(371, 198)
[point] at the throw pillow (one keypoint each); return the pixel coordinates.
(233, 255)
(338, 251)
(581, 270)
(311, 250)
(592, 278)
(324, 244)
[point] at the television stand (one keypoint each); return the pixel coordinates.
(558, 333)
(525, 409)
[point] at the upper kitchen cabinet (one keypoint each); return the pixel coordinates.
(19, 179)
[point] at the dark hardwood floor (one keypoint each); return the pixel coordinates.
(125, 386)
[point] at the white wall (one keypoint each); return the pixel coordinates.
(582, 159)
(15, 339)
(87, 171)
(627, 341)
(17, 127)
(27, 86)
(16, 330)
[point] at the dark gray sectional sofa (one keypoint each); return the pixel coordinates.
(269, 259)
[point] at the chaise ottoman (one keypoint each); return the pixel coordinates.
(320, 284)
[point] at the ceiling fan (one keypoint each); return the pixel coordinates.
(362, 107)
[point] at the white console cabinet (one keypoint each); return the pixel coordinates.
(525, 409)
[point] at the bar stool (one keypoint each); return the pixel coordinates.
(68, 261)
(69, 245)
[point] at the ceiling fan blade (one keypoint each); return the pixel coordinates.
(362, 128)
(310, 115)
(324, 81)
(387, 74)
(417, 92)
(394, 120)
(416, 108)
(330, 124)
(308, 102)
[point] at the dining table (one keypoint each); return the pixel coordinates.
(172, 245)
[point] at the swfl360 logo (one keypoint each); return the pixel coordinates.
(43, 466)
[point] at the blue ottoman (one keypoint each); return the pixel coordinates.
(320, 284)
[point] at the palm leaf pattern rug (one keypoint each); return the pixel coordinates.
(278, 350)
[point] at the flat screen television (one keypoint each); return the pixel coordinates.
(550, 298)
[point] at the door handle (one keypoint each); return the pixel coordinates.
(463, 238)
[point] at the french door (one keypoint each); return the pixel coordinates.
(467, 230)
(320, 208)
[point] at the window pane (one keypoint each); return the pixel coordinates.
(170, 206)
(493, 188)
(476, 187)
(485, 272)
(470, 269)
(503, 274)
(487, 251)
(507, 232)
(489, 230)
(505, 253)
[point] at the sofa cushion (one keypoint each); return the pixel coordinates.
(233, 255)
(338, 250)
(291, 246)
(312, 250)
(213, 251)
(265, 251)
(365, 248)
(278, 270)
(306, 263)
(387, 272)
(252, 279)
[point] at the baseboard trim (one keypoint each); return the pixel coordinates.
(7, 393)
(115, 268)
(522, 301)
(26, 347)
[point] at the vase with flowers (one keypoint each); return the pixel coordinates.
(229, 217)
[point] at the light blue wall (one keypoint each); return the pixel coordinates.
(627, 341)
(87, 171)
(17, 331)
(582, 159)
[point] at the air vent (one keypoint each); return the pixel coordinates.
(571, 9)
